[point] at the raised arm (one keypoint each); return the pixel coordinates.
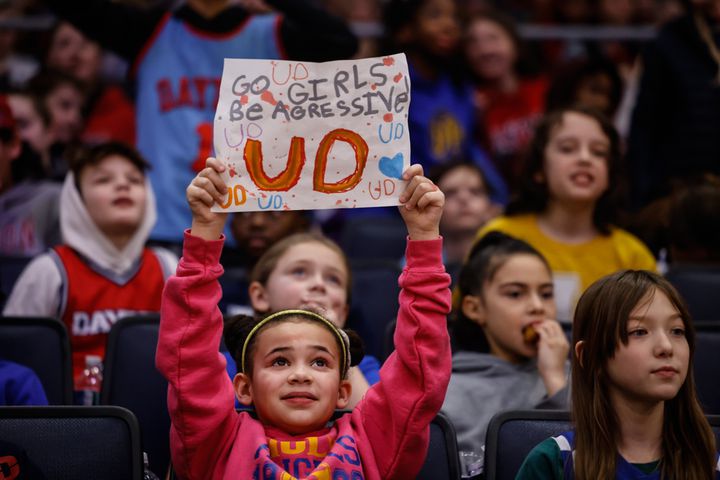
(396, 412)
(200, 394)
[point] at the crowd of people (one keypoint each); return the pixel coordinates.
(557, 190)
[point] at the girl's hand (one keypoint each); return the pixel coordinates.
(206, 189)
(553, 349)
(421, 205)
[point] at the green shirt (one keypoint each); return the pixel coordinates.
(544, 462)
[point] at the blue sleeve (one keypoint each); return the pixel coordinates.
(370, 368)
(20, 386)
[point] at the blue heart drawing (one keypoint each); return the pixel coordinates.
(392, 167)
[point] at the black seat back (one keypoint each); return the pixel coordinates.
(72, 442)
(41, 344)
(132, 381)
(442, 460)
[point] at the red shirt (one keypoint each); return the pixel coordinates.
(509, 119)
(93, 302)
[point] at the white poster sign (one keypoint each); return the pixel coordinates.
(305, 136)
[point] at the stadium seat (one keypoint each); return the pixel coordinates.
(41, 344)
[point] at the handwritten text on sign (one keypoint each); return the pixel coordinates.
(302, 135)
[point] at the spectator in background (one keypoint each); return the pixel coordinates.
(510, 102)
(254, 233)
(505, 290)
(467, 208)
(618, 13)
(29, 218)
(593, 82)
(63, 98)
(441, 116)
(693, 221)
(103, 271)
(177, 59)
(109, 113)
(33, 128)
(568, 202)
(675, 130)
(694, 239)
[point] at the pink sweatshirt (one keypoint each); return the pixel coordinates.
(386, 436)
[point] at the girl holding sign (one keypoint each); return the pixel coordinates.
(307, 271)
(294, 365)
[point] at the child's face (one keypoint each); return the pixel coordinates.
(519, 294)
(295, 383)
(653, 365)
(308, 275)
(576, 160)
(467, 205)
(437, 28)
(65, 107)
(595, 91)
(71, 52)
(490, 50)
(114, 194)
(30, 125)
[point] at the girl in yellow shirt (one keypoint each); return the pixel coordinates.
(566, 204)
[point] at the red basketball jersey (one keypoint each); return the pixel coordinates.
(94, 301)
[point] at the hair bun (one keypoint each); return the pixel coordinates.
(357, 348)
(235, 330)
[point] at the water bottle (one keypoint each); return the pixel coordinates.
(472, 464)
(147, 473)
(90, 380)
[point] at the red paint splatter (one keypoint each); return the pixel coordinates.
(232, 172)
(263, 195)
(244, 99)
(388, 117)
(339, 202)
(285, 207)
(267, 96)
(387, 61)
(397, 77)
(373, 86)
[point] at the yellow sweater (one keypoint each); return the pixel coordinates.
(576, 266)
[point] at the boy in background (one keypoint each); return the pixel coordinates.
(103, 271)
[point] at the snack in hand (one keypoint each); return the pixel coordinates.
(530, 335)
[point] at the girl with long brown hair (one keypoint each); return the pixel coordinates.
(635, 409)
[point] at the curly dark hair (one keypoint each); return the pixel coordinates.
(533, 194)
